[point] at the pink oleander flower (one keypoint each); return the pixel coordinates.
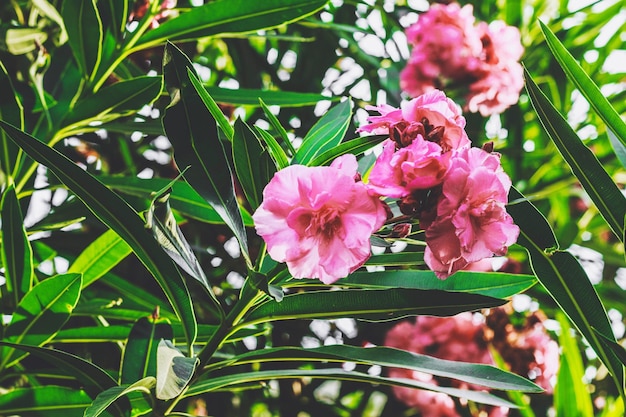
(471, 221)
(319, 219)
(445, 46)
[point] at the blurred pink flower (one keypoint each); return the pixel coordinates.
(471, 221)
(319, 219)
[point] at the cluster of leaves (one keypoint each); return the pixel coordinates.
(142, 318)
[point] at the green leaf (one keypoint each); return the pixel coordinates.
(325, 134)
(213, 108)
(618, 349)
(193, 133)
(479, 374)
(253, 163)
(595, 180)
(566, 282)
(174, 371)
(571, 397)
(84, 28)
(119, 216)
(492, 284)
(354, 146)
(183, 199)
(11, 111)
(41, 313)
(92, 378)
(44, 401)
(140, 353)
(249, 97)
(374, 305)
(618, 147)
(278, 127)
(228, 17)
(586, 85)
(121, 98)
(108, 397)
(20, 40)
(16, 252)
(49, 11)
(241, 378)
(276, 152)
(100, 257)
(115, 15)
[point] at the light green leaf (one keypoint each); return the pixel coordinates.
(229, 16)
(249, 97)
(325, 134)
(111, 102)
(41, 313)
(566, 281)
(100, 257)
(571, 397)
(253, 163)
(84, 28)
(276, 152)
(492, 284)
(11, 111)
(618, 147)
(586, 85)
(119, 216)
(278, 127)
(140, 352)
(374, 305)
(595, 180)
(213, 108)
(44, 401)
(242, 378)
(48, 10)
(193, 133)
(16, 252)
(20, 40)
(108, 397)
(479, 374)
(354, 146)
(174, 371)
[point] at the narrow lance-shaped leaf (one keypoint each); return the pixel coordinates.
(100, 257)
(595, 180)
(276, 152)
(278, 127)
(565, 280)
(174, 370)
(84, 28)
(44, 401)
(325, 134)
(193, 133)
(585, 84)
(11, 111)
(229, 16)
(108, 397)
(41, 313)
(253, 163)
(354, 146)
(374, 305)
(140, 353)
(17, 254)
(249, 97)
(119, 216)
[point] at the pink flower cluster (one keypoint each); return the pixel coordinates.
(458, 193)
(319, 219)
(451, 49)
(465, 338)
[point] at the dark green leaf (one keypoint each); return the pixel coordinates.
(45, 401)
(354, 146)
(174, 371)
(11, 111)
(230, 16)
(479, 374)
(140, 352)
(276, 152)
(374, 305)
(566, 281)
(16, 252)
(106, 398)
(41, 313)
(248, 97)
(595, 180)
(114, 15)
(618, 349)
(586, 85)
(236, 379)
(325, 134)
(193, 132)
(84, 28)
(100, 256)
(278, 127)
(253, 163)
(120, 217)
(492, 284)
(121, 98)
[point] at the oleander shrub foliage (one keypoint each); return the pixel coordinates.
(312, 208)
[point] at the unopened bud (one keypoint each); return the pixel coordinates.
(401, 230)
(488, 147)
